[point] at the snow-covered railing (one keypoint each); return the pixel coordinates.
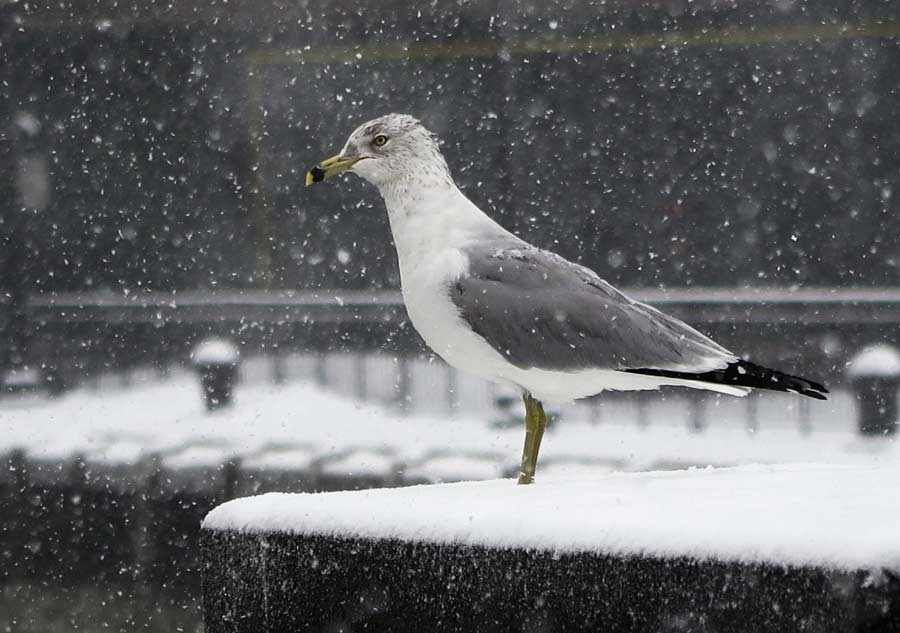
(774, 548)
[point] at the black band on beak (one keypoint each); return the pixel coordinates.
(328, 168)
(317, 174)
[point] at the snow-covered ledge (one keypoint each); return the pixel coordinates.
(740, 549)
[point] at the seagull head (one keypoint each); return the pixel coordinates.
(385, 151)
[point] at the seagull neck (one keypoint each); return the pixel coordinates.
(406, 195)
(433, 214)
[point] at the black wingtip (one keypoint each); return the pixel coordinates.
(765, 378)
(817, 395)
(743, 373)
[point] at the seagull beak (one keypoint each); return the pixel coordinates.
(330, 167)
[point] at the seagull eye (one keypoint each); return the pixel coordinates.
(380, 140)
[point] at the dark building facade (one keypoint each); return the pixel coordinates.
(716, 145)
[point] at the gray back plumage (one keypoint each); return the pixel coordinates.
(540, 310)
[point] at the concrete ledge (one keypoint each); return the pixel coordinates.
(776, 548)
(290, 582)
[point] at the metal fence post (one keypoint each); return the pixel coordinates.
(360, 380)
(403, 383)
(452, 390)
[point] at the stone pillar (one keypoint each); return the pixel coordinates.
(874, 374)
(216, 361)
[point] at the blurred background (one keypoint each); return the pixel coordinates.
(181, 321)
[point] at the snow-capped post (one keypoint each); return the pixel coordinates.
(875, 375)
(216, 361)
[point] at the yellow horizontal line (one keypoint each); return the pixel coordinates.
(523, 47)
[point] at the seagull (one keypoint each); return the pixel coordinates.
(489, 303)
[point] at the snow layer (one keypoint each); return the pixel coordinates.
(296, 422)
(876, 361)
(841, 517)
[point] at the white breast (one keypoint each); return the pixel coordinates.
(430, 241)
(436, 317)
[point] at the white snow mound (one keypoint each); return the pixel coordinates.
(881, 361)
(214, 351)
(841, 517)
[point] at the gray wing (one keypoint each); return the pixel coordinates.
(539, 310)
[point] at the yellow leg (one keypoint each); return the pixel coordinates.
(535, 423)
(526, 477)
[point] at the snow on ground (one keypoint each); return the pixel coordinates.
(841, 517)
(298, 423)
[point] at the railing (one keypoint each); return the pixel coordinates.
(764, 305)
(809, 331)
